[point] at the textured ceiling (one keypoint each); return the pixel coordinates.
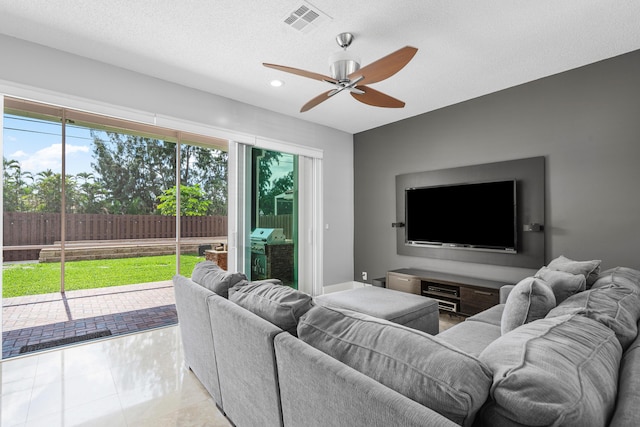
(466, 48)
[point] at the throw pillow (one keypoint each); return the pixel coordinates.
(557, 371)
(274, 302)
(589, 269)
(562, 284)
(214, 278)
(415, 364)
(255, 282)
(531, 299)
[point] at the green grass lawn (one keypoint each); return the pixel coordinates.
(33, 279)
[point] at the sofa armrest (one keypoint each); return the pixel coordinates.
(628, 400)
(504, 293)
(243, 344)
(195, 331)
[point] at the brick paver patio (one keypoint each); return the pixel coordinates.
(36, 319)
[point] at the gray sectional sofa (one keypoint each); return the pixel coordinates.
(561, 349)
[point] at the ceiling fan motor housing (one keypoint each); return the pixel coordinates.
(343, 63)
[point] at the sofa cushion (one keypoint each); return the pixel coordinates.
(214, 278)
(415, 364)
(472, 337)
(589, 269)
(556, 371)
(562, 284)
(274, 302)
(614, 301)
(530, 299)
(492, 316)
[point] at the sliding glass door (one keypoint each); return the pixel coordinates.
(203, 202)
(275, 213)
(274, 216)
(137, 204)
(32, 204)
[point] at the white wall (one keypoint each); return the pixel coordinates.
(26, 65)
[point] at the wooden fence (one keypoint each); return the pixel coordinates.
(26, 233)
(26, 228)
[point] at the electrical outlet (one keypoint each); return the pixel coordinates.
(364, 275)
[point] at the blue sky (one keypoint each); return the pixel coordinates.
(37, 145)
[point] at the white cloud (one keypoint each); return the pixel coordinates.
(18, 155)
(49, 157)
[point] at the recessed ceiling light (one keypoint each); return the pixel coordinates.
(276, 83)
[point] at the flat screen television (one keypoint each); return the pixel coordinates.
(478, 216)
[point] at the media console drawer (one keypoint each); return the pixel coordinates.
(461, 295)
(473, 301)
(404, 283)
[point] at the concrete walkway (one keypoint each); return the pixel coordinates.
(36, 319)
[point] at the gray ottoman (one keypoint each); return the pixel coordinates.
(413, 311)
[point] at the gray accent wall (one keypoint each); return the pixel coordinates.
(585, 122)
(529, 177)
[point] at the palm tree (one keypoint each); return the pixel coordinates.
(16, 188)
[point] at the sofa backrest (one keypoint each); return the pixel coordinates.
(318, 391)
(214, 278)
(195, 330)
(415, 364)
(245, 357)
(281, 305)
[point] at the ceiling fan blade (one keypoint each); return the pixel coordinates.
(317, 100)
(385, 67)
(376, 98)
(303, 73)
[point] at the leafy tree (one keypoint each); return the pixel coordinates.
(129, 175)
(193, 201)
(91, 196)
(17, 192)
(207, 168)
(280, 186)
(265, 159)
(267, 190)
(134, 170)
(47, 191)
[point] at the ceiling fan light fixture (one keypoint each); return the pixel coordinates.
(347, 76)
(343, 63)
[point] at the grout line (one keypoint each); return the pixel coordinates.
(87, 296)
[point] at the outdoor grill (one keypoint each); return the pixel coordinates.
(271, 255)
(266, 236)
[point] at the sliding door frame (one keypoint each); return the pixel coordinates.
(310, 236)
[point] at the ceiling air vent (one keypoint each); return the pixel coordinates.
(305, 18)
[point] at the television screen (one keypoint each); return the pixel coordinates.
(478, 215)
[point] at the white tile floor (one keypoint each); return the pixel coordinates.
(133, 380)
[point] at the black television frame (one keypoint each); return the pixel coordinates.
(473, 241)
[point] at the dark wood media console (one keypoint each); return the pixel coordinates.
(456, 294)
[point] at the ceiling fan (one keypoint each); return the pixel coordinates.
(346, 74)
